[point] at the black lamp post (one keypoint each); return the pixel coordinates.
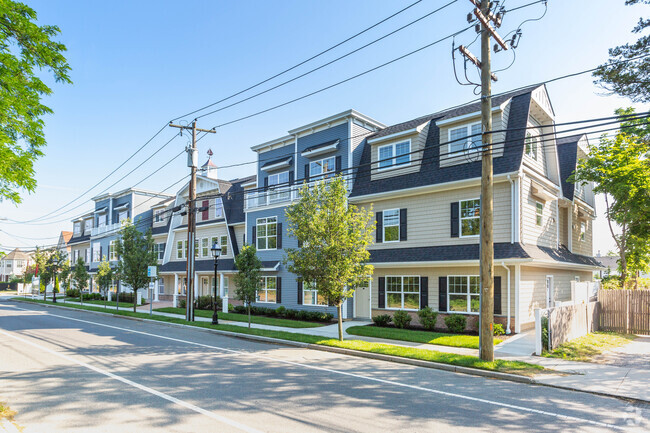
(54, 263)
(216, 252)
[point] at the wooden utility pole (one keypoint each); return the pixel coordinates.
(192, 162)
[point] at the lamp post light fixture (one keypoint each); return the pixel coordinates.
(216, 252)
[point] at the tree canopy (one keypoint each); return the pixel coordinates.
(25, 49)
(105, 277)
(247, 278)
(136, 254)
(80, 276)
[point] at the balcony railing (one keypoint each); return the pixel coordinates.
(285, 194)
(109, 228)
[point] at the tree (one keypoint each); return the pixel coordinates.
(334, 238)
(105, 276)
(136, 254)
(630, 78)
(247, 277)
(80, 277)
(620, 171)
(25, 49)
(64, 275)
(42, 259)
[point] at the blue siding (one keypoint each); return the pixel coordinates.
(272, 155)
(339, 132)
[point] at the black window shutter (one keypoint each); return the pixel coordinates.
(278, 290)
(497, 295)
(266, 183)
(291, 178)
(306, 172)
(424, 292)
(442, 293)
(100, 253)
(382, 293)
(243, 239)
(279, 236)
(299, 292)
(254, 235)
(402, 224)
(455, 218)
(379, 231)
(338, 164)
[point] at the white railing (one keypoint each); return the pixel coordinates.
(113, 228)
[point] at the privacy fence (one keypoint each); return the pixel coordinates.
(625, 311)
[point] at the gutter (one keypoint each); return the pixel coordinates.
(508, 331)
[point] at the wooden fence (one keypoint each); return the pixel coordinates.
(625, 311)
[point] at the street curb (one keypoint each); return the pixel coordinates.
(369, 355)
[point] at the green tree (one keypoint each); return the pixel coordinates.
(334, 238)
(136, 254)
(628, 78)
(247, 278)
(105, 277)
(25, 50)
(80, 276)
(42, 259)
(64, 275)
(620, 171)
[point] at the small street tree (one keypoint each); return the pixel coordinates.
(334, 237)
(105, 276)
(42, 259)
(64, 276)
(247, 277)
(136, 254)
(80, 277)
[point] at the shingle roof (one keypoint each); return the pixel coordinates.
(567, 149)
(233, 201)
(208, 265)
(78, 239)
(17, 255)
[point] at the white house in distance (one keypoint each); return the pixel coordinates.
(14, 264)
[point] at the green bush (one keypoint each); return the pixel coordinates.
(72, 293)
(205, 303)
(498, 329)
(92, 297)
(428, 318)
(402, 319)
(280, 311)
(544, 322)
(239, 309)
(456, 323)
(182, 303)
(382, 320)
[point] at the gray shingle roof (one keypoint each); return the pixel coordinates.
(208, 265)
(567, 149)
(233, 202)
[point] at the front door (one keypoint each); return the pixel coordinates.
(205, 286)
(362, 302)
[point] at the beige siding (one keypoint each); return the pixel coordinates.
(429, 217)
(581, 247)
(564, 226)
(544, 234)
(417, 146)
(240, 232)
(540, 164)
(447, 160)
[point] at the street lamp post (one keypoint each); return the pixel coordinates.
(216, 252)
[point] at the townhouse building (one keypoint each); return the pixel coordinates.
(15, 264)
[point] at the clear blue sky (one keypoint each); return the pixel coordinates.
(136, 65)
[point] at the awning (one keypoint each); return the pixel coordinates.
(320, 149)
(277, 164)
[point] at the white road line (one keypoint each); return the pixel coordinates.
(359, 376)
(167, 397)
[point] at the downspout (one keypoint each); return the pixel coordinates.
(512, 210)
(508, 331)
(517, 309)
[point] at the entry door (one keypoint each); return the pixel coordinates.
(549, 291)
(205, 286)
(362, 302)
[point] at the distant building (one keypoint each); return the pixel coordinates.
(14, 264)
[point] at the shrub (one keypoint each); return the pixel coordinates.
(205, 302)
(72, 293)
(182, 303)
(498, 329)
(127, 297)
(92, 297)
(280, 311)
(544, 322)
(239, 309)
(428, 318)
(456, 323)
(382, 320)
(402, 319)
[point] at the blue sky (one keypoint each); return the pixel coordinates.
(137, 65)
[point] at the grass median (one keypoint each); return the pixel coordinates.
(235, 317)
(99, 302)
(427, 337)
(586, 347)
(503, 366)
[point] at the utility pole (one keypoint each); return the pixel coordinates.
(192, 162)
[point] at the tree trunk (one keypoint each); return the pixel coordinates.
(339, 309)
(135, 299)
(249, 316)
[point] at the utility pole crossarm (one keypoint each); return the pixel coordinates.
(472, 58)
(486, 25)
(209, 131)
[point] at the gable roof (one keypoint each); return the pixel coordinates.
(17, 255)
(233, 200)
(567, 152)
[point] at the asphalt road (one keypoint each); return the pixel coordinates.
(74, 371)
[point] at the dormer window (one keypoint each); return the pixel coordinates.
(395, 154)
(218, 208)
(88, 225)
(77, 229)
(531, 146)
(321, 167)
(466, 137)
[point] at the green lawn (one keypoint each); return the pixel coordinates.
(235, 317)
(584, 348)
(440, 338)
(515, 367)
(97, 302)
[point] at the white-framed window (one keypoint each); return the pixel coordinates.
(88, 225)
(96, 252)
(161, 285)
(205, 247)
(463, 293)
(77, 228)
(583, 230)
(268, 290)
(403, 292)
(196, 248)
(531, 145)
(159, 250)
(310, 295)
(391, 155)
(322, 167)
(181, 249)
(101, 220)
(158, 216)
(282, 192)
(224, 245)
(267, 233)
(218, 208)
(539, 213)
(87, 254)
(465, 137)
(470, 217)
(123, 216)
(112, 251)
(390, 225)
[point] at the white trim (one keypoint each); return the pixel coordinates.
(283, 141)
(383, 226)
(394, 164)
(419, 277)
(468, 128)
(257, 235)
(278, 165)
(464, 117)
(517, 289)
(549, 291)
(460, 218)
(411, 131)
(468, 294)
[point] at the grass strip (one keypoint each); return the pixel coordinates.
(236, 317)
(586, 347)
(428, 337)
(503, 366)
(98, 302)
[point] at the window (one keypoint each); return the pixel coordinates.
(218, 208)
(112, 251)
(205, 248)
(224, 245)
(77, 229)
(583, 229)
(159, 249)
(280, 193)
(181, 249)
(196, 248)
(463, 295)
(459, 138)
(322, 167)
(161, 283)
(267, 234)
(403, 292)
(101, 221)
(268, 290)
(470, 217)
(578, 188)
(539, 213)
(122, 216)
(531, 145)
(158, 216)
(88, 225)
(225, 285)
(87, 254)
(394, 154)
(96, 252)
(391, 225)
(310, 295)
